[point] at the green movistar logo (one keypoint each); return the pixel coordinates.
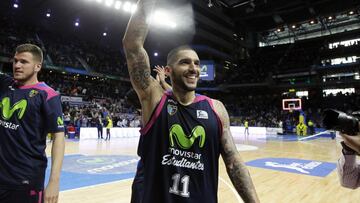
(60, 121)
(7, 111)
(185, 141)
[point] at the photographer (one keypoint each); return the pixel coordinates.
(349, 127)
(348, 169)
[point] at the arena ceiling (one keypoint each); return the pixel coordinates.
(216, 20)
(262, 15)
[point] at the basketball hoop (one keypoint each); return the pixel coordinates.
(291, 109)
(291, 104)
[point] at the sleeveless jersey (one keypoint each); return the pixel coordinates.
(179, 150)
(27, 114)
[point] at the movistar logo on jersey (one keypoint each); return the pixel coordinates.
(7, 110)
(60, 121)
(186, 141)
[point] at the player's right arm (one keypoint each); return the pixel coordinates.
(146, 87)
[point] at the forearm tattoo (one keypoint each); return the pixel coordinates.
(139, 69)
(235, 167)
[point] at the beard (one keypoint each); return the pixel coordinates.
(24, 77)
(179, 82)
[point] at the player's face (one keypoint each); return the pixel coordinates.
(186, 70)
(25, 68)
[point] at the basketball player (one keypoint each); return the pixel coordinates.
(348, 169)
(109, 125)
(184, 133)
(29, 111)
(246, 132)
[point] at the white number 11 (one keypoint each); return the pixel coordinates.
(175, 187)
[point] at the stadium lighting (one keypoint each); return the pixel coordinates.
(48, 15)
(104, 34)
(156, 54)
(133, 8)
(109, 2)
(117, 5)
(77, 24)
(16, 5)
(351, 12)
(127, 6)
(162, 18)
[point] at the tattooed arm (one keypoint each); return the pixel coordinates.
(147, 88)
(235, 166)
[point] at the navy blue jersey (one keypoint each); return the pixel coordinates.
(28, 114)
(179, 150)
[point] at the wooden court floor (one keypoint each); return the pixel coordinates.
(272, 186)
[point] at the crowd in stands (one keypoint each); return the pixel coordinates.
(301, 56)
(266, 110)
(103, 97)
(60, 50)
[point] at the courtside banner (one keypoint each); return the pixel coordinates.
(299, 166)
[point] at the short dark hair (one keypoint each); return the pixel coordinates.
(33, 49)
(172, 55)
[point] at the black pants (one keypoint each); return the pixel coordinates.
(21, 196)
(100, 133)
(107, 133)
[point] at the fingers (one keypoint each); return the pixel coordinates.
(158, 77)
(51, 199)
(159, 68)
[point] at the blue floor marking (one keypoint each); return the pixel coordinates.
(81, 171)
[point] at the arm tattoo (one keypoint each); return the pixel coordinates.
(136, 56)
(139, 69)
(235, 167)
(237, 171)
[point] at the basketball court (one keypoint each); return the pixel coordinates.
(283, 168)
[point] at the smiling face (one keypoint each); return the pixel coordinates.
(185, 70)
(25, 68)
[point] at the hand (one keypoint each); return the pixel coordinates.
(352, 141)
(51, 194)
(161, 75)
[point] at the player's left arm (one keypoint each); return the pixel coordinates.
(55, 126)
(57, 156)
(235, 167)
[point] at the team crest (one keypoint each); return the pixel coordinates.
(33, 93)
(172, 109)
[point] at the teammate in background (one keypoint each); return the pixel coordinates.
(348, 169)
(246, 132)
(29, 111)
(109, 125)
(184, 133)
(99, 126)
(311, 127)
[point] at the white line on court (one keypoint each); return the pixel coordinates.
(320, 133)
(233, 190)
